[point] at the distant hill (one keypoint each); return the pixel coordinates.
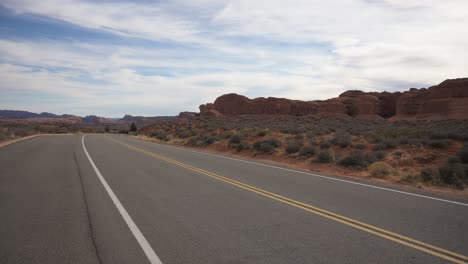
(130, 118)
(26, 114)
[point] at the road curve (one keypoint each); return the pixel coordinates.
(114, 199)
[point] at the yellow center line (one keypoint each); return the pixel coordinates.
(407, 241)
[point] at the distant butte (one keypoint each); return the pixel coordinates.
(448, 100)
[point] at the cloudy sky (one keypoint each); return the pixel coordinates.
(161, 57)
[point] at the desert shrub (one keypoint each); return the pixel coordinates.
(184, 134)
(463, 154)
(342, 139)
(193, 141)
(326, 157)
(264, 147)
(410, 178)
(133, 127)
(274, 142)
(430, 175)
(355, 159)
(296, 131)
(267, 146)
(312, 142)
(453, 160)
(24, 131)
(386, 144)
(398, 154)
(202, 140)
(325, 145)
(454, 175)
(299, 137)
(293, 147)
(161, 135)
(236, 139)
(372, 157)
(307, 151)
(261, 132)
(380, 155)
(360, 146)
(380, 169)
(438, 143)
(243, 146)
(208, 140)
(404, 141)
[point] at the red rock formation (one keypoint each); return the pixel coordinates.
(361, 105)
(446, 100)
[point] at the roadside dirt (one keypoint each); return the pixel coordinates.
(323, 169)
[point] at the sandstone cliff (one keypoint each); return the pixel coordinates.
(448, 100)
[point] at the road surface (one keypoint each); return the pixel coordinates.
(115, 199)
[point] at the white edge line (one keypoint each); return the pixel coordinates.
(320, 176)
(149, 252)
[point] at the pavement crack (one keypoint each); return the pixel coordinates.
(91, 232)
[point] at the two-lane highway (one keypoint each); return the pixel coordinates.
(114, 199)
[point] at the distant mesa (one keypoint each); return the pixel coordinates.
(92, 119)
(131, 118)
(188, 115)
(448, 100)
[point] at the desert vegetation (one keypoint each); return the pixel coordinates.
(420, 153)
(13, 129)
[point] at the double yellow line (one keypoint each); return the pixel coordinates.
(407, 241)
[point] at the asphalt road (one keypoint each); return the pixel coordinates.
(114, 199)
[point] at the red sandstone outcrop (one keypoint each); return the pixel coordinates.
(444, 101)
(448, 100)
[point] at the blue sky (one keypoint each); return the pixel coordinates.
(112, 58)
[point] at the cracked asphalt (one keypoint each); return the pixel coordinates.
(54, 209)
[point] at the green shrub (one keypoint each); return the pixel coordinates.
(380, 155)
(453, 160)
(360, 146)
(386, 144)
(243, 146)
(463, 154)
(299, 137)
(184, 134)
(430, 175)
(161, 135)
(355, 159)
(307, 151)
(325, 145)
(342, 139)
(312, 142)
(133, 127)
(380, 169)
(208, 140)
(326, 157)
(193, 141)
(267, 146)
(293, 147)
(261, 133)
(454, 175)
(236, 139)
(264, 147)
(438, 143)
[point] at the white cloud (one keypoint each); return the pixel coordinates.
(297, 49)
